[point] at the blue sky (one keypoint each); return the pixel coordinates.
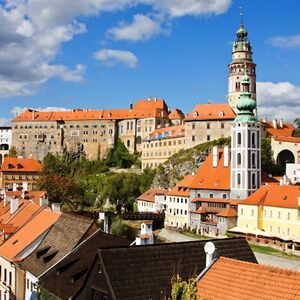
(105, 53)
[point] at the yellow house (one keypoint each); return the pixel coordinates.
(272, 213)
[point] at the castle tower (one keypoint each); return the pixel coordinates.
(241, 59)
(245, 146)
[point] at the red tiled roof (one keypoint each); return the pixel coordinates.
(14, 164)
(182, 188)
(266, 179)
(234, 279)
(142, 109)
(289, 139)
(28, 233)
(287, 129)
(200, 210)
(149, 195)
(212, 178)
(275, 195)
(218, 111)
(168, 132)
(176, 114)
(227, 213)
(29, 195)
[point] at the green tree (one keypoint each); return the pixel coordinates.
(297, 131)
(118, 227)
(119, 156)
(184, 290)
(13, 152)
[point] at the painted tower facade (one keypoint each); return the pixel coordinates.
(241, 60)
(245, 146)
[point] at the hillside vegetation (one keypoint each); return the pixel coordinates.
(184, 162)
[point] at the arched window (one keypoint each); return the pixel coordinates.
(224, 196)
(239, 159)
(253, 140)
(238, 179)
(253, 180)
(198, 195)
(128, 143)
(211, 195)
(239, 139)
(253, 160)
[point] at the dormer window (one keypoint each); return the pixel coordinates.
(10, 166)
(221, 114)
(195, 114)
(19, 166)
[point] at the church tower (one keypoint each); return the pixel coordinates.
(245, 146)
(241, 57)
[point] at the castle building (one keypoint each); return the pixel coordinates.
(245, 146)
(36, 133)
(241, 62)
(162, 143)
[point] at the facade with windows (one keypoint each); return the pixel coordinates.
(208, 122)
(93, 132)
(5, 141)
(162, 143)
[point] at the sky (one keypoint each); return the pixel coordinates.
(101, 54)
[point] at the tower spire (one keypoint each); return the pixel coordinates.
(241, 14)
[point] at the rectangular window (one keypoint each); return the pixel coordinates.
(10, 279)
(193, 138)
(208, 138)
(222, 125)
(208, 125)
(288, 215)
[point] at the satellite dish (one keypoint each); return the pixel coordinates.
(209, 247)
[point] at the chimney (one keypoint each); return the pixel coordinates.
(215, 156)
(226, 156)
(14, 205)
(33, 114)
(211, 253)
(44, 201)
(56, 207)
(281, 123)
(4, 198)
(275, 123)
(23, 194)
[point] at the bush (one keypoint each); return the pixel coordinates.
(118, 227)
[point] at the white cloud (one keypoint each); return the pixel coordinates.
(111, 57)
(33, 31)
(179, 8)
(142, 28)
(292, 41)
(278, 100)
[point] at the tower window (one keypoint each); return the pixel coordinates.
(253, 160)
(253, 140)
(253, 180)
(239, 179)
(239, 159)
(239, 139)
(238, 86)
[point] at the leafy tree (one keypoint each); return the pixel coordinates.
(118, 227)
(267, 161)
(13, 152)
(119, 156)
(184, 290)
(297, 131)
(61, 189)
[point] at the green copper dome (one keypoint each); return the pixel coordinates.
(241, 34)
(245, 104)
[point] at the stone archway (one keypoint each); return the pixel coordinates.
(284, 157)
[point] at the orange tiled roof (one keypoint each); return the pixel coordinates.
(144, 236)
(149, 195)
(142, 109)
(235, 279)
(28, 233)
(289, 139)
(15, 164)
(275, 195)
(210, 178)
(182, 187)
(217, 111)
(227, 213)
(167, 133)
(29, 195)
(287, 129)
(200, 210)
(176, 114)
